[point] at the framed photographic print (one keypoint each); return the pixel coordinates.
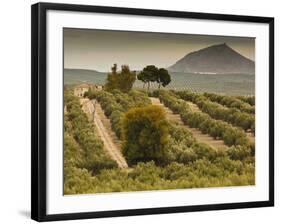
(139, 111)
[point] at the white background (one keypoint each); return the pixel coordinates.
(57, 203)
(15, 111)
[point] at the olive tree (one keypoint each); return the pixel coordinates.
(145, 135)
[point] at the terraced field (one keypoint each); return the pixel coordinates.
(116, 142)
(205, 138)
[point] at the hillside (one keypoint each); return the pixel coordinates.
(233, 84)
(216, 59)
(73, 76)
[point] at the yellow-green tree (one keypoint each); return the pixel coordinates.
(145, 135)
(123, 80)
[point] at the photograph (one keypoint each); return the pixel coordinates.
(147, 111)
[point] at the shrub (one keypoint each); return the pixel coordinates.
(238, 152)
(145, 134)
(115, 103)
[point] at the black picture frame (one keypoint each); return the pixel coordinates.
(38, 109)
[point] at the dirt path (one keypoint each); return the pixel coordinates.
(204, 138)
(103, 127)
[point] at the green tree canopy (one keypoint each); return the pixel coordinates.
(152, 74)
(144, 77)
(123, 80)
(145, 135)
(148, 75)
(164, 77)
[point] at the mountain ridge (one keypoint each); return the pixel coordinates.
(215, 59)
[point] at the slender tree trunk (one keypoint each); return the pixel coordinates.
(159, 85)
(143, 85)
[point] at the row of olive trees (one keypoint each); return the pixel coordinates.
(217, 111)
(216, 128)
(116, 103)
(78, 129)
(145, 132)
(148, 176)
(231, 101)
(146, 136)
(248, 99)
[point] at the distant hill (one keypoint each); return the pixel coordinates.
(232, 84)
(74, 76)
(216, 59)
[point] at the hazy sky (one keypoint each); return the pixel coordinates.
(99, 49)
